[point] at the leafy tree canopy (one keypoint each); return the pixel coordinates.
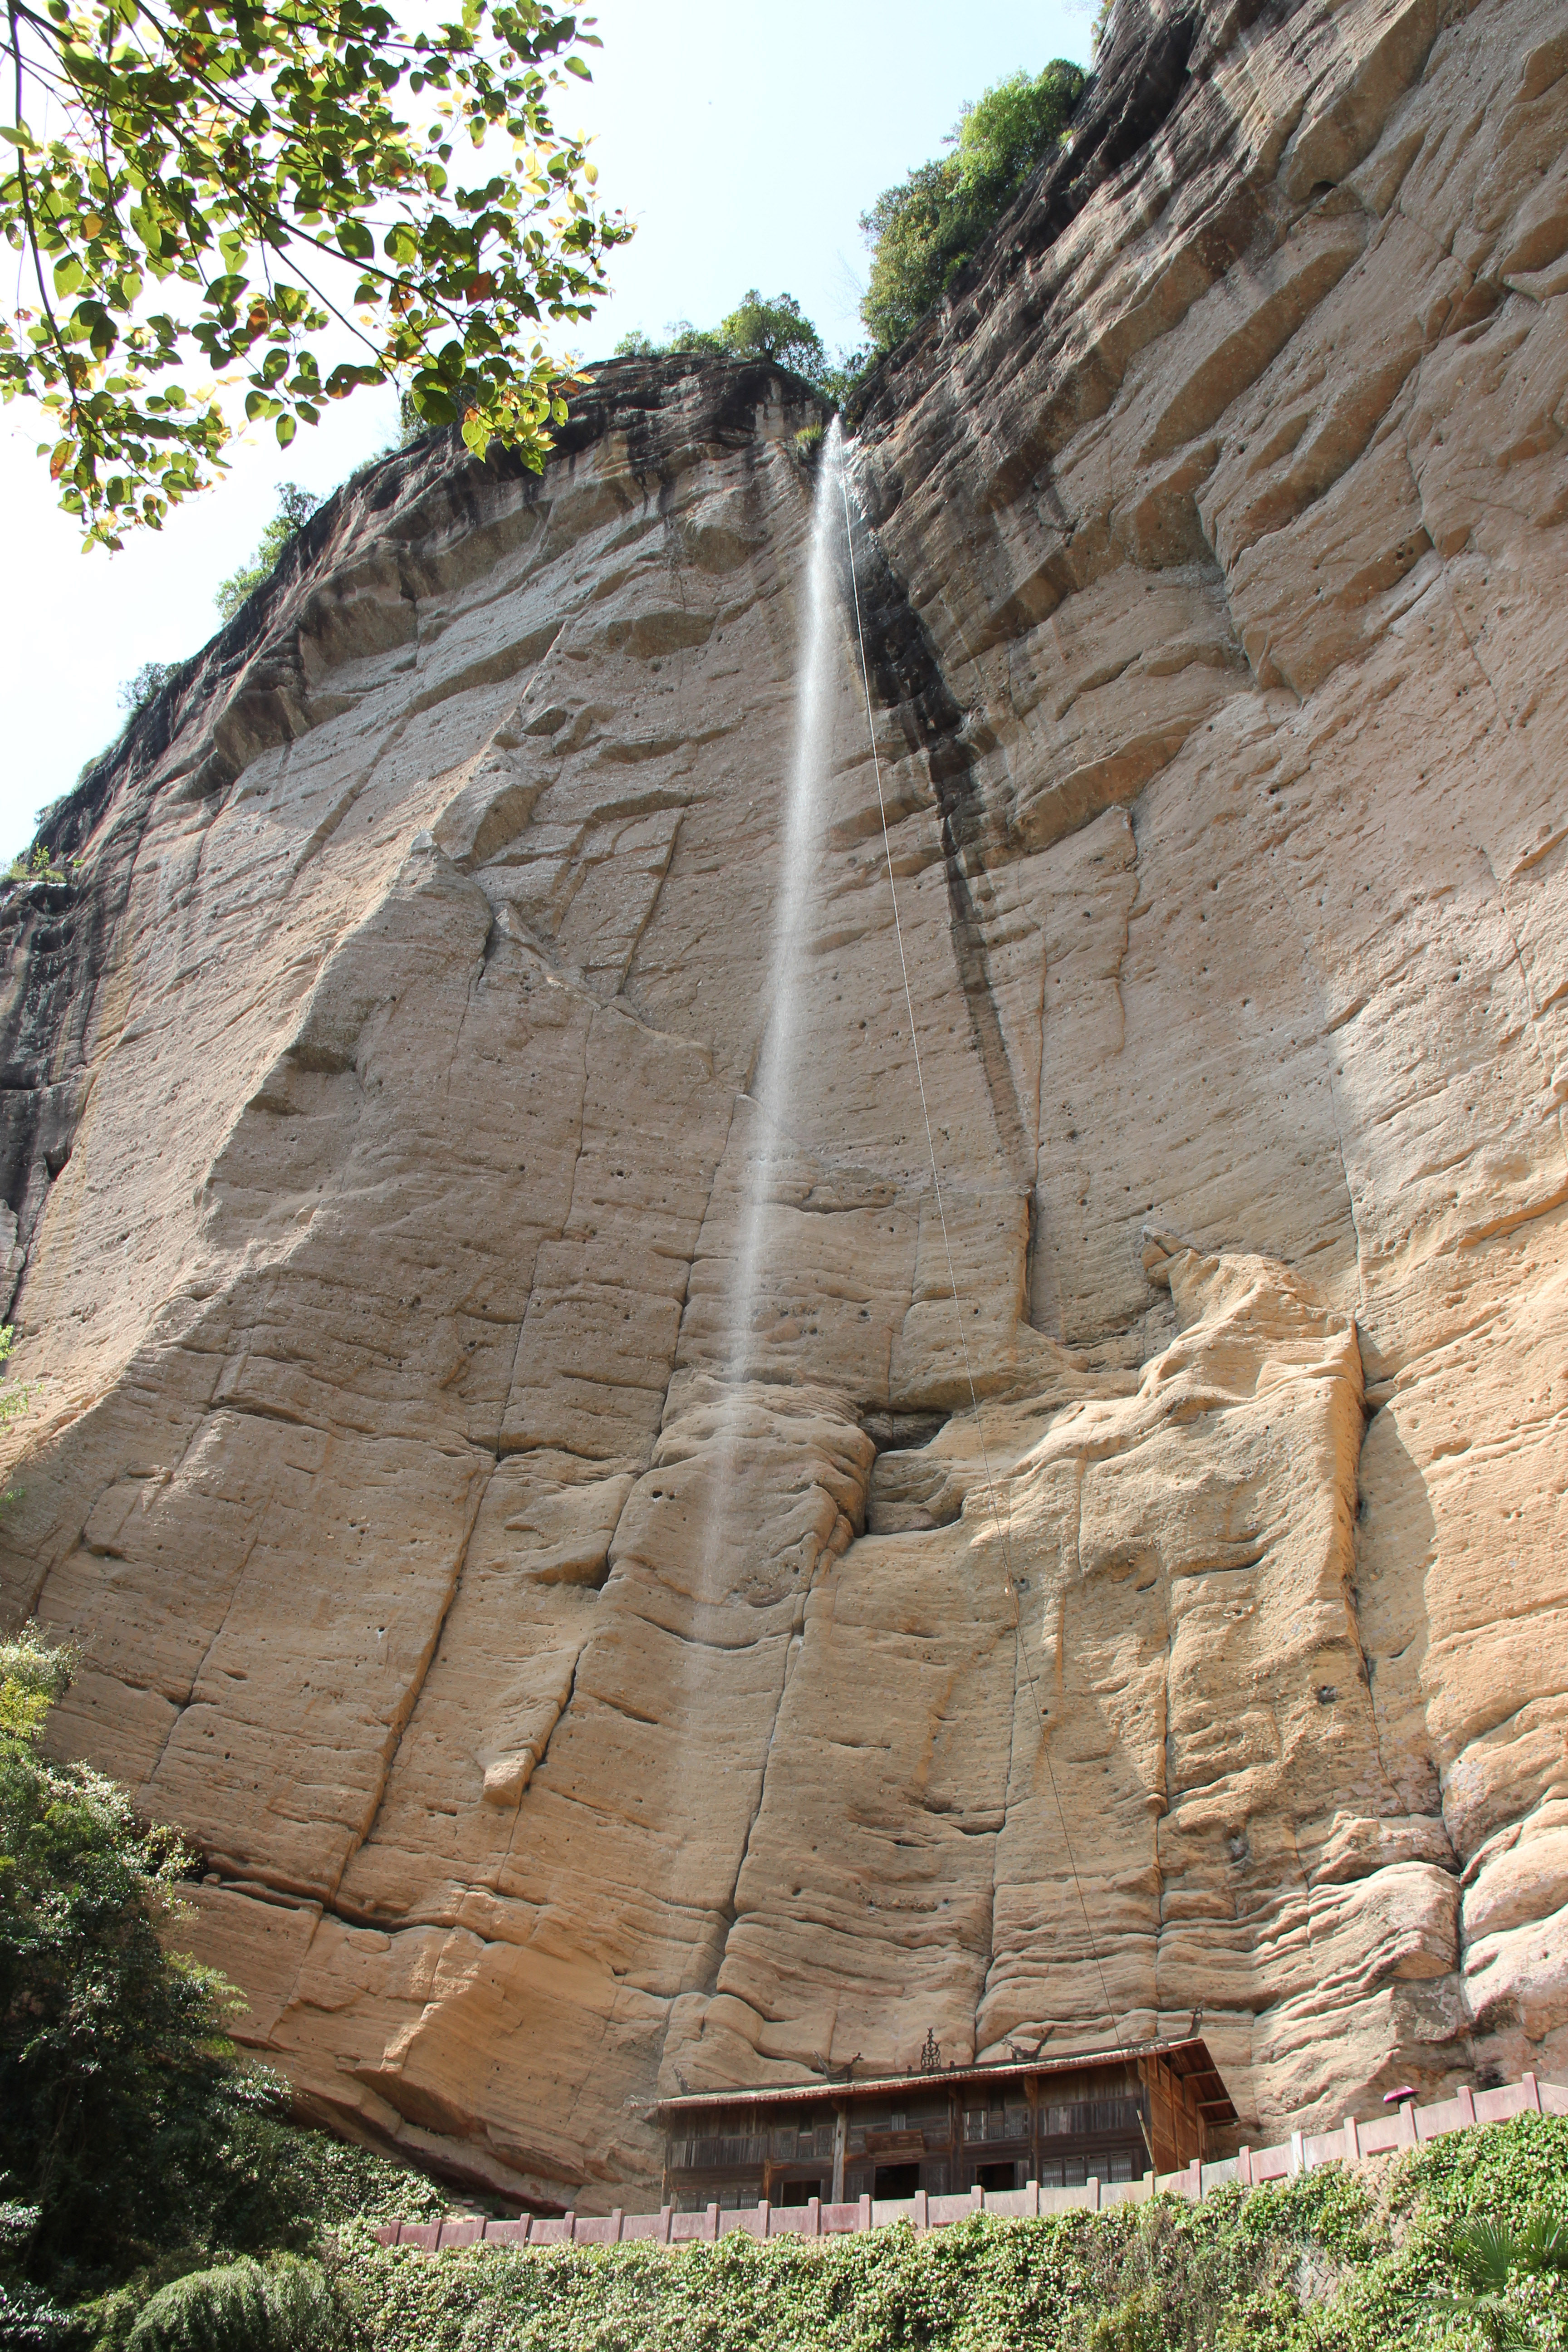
(199, 189)
(136, 693)
(923, 232)
(296, 505)
(777, 331)
(112, 2049)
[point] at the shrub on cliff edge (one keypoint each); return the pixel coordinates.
(924, 231)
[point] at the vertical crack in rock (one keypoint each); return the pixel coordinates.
(1022, 1680)
(410, 1700)
(907, 679)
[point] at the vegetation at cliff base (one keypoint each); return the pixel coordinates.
(134, 2146)
(1329, 2262)
(199, 192)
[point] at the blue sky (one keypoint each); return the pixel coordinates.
(744, 139)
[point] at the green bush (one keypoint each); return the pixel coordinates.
(113, 2068)
(776, 331)
(149, 682)
(923, 232)
(1325, 2263)
(133, 2144)
(296, 505)
(285, 2306)
(30, 2319)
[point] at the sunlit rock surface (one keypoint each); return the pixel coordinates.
(565, 1710)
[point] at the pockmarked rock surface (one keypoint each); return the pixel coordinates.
(568, 1705)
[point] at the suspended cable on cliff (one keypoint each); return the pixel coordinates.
(1002, 1526)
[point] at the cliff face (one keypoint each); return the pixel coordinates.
(379, 1130)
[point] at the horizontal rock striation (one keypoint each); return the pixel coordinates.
(566, 1706)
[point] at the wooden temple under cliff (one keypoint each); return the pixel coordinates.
(1102, 2115)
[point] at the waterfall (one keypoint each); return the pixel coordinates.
(772, 1080)
(761, 1115)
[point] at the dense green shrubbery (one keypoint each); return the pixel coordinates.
(133, 2145)
(285, 2306)
(776, 331)
(924, 231)
(296, 505)
(1320, 2264)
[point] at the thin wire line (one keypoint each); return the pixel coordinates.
(1002, 1530)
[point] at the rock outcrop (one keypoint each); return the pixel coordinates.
(563, 1710)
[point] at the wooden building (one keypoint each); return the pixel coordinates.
(1112, 2115)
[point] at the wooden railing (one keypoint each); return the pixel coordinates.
(1350, 2142)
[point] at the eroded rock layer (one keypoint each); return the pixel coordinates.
(568, 1707)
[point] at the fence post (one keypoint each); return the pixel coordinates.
(1298, 2155)
(1531, 2089)
(864, 2221)
(1467, 2099)
(1243, 2166)
(664, 2215)
(922, 2212)
(1353, 2141)
(1094, 2192)
(617, 2217)
(1032, 2190)
(813, 2212)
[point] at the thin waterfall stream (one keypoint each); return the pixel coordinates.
(762, 1119)
(773, 1079)
(774, 1082)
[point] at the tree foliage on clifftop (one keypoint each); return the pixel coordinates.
(296, 505)
(201, 187)
(923, 231)
(777, 331)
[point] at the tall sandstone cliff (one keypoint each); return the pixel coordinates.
(379, 1127)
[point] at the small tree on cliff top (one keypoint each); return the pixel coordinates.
(776, 331)
(207, 185)
(923, 231)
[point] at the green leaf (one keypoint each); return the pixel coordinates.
(286, 428)
(211, 137)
